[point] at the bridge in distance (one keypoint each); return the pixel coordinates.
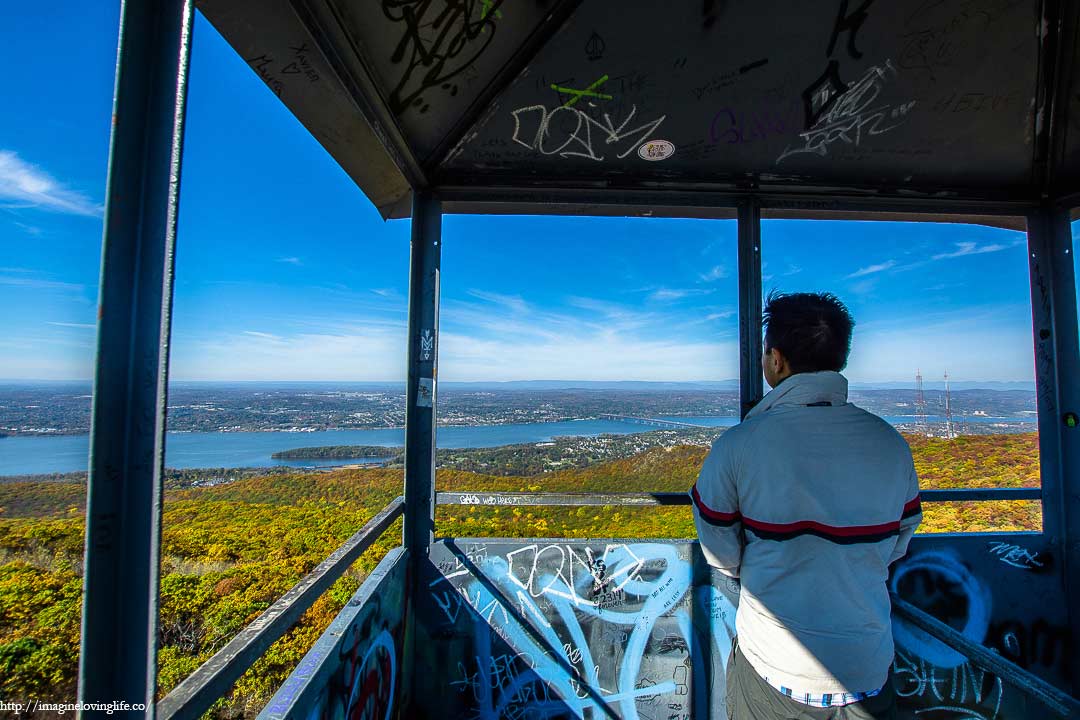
(670, 424)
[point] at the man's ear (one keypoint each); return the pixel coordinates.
(778, 360)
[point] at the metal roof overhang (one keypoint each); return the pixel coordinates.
(859, 109)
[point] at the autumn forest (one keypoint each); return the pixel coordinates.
(230, 549)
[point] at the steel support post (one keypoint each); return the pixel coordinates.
(1057, 378)
(419, 529)
(419, 519)
(750, 380)
(127, 433)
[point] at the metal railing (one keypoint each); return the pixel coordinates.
(1061, 703)
(511, 499)
(192, 697)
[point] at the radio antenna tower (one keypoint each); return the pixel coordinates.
(920, 404)
(948, 410)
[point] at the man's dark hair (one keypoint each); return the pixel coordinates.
(812, 330)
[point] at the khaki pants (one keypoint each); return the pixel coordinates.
(749, 697)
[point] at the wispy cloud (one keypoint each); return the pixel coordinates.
(24, 184)
(973, 248)
(585, 357)
(514, 303)
(263, 335)
(368, 353)
(862, 287)
(718, 272)
(667, 294)
(37, 283)
(29, 229)
(720, 315)
(290, 260)
(871, 269)
(81, 326)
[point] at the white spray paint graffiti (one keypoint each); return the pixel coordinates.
(1015, 555)
(573, 129)
(948, 691)
(963, 588)
(926, 669)
(555, 587)
(543, 640)
(850, 118)
(574, 571)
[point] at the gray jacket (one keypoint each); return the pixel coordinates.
(808, 501)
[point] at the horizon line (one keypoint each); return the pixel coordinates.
(89, 381)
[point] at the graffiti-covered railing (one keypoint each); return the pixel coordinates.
(608, 627)
(191, 698)
(1062, 704)
(465, 497)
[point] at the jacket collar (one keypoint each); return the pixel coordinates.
(803, 389)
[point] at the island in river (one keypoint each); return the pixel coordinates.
(340, 452)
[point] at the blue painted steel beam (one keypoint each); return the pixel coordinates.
(419, 521)
(751, 387)
(1057, 378)
(127, 447)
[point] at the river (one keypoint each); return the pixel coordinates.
(69, 453)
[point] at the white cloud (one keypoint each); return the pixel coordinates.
(665, 294)
(29, 229)
(718, 272)
(862, 287)
(513, 303)
(494, 337)
(973, 248)
(991, 343)
(38, 283)
(81, 326)
(262, 335)
(290, 260)
(585, 357)
(370, 352)
(23, 184)
(871, 269)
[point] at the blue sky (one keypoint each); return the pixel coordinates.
(286, 272)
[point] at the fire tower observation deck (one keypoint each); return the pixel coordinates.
(895, 109)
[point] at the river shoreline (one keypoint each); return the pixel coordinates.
(40, 455)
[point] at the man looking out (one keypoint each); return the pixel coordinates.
(807, 502)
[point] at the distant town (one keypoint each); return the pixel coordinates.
(64, 408)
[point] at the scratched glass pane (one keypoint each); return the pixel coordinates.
(942, 347)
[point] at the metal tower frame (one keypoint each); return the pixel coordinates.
(127, 435)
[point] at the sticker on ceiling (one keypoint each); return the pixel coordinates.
(656, 150)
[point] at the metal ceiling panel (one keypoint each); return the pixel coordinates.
(920, 94)
(434, 58)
